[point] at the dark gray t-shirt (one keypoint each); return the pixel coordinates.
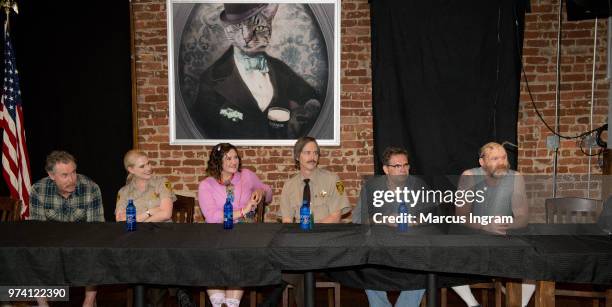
(497, 198)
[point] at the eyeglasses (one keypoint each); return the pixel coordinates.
(398, 166)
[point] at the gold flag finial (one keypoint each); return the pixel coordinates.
(9, 5)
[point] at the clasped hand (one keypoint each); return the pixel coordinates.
(256, 197)
(497, 228)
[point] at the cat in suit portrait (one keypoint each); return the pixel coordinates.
(236, 93)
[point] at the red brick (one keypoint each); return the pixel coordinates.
(193, 162)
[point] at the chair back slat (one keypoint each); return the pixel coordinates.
(182, 209)
(10, 209)
(573, 210)
(260, 211)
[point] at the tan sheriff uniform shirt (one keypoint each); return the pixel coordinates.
(157, 189)
(327, 195)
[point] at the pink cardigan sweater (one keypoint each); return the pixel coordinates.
(212, 194)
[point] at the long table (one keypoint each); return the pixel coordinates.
(46, 253)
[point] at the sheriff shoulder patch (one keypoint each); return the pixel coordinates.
(168, 185)
(340, 187)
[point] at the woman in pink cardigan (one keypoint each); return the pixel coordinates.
(225, 175)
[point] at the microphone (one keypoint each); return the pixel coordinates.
(509, 144)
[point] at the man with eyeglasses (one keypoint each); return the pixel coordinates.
(396, 169)
(322, 188)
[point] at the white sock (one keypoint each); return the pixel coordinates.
(217, 299)
(232, 302)
(466, 295)
(527, 292)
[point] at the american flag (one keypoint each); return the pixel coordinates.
(15, 161)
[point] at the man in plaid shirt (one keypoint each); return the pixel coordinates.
(66, 196)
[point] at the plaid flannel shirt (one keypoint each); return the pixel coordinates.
(83, 205)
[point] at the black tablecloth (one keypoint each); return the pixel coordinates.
(325, 246)
(378, 257)
(579, 253)
(44, 253)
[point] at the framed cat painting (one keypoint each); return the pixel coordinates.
(253, 73)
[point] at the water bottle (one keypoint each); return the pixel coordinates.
(403, 214)
(228, 214)
(305, 215)
(130, 216)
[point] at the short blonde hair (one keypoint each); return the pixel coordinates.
(130, 159)
(488, 147)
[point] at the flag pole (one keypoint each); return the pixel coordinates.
(15, 161)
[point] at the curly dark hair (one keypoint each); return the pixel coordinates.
(215, 159)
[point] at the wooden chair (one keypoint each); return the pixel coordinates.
(575, 210)
(496, 285)
(260, 212)
(10, 209)
(333, 293)
(182, 209)
(572, 210)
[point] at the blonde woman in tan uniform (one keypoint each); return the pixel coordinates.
(153, 198)
(152, 194)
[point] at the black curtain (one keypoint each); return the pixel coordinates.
(74, 63)
(445, 79)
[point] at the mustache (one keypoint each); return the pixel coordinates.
(502, 167)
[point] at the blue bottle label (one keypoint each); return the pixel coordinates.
(228, 214)
(130, 216)
(305, 221)
(305, 216)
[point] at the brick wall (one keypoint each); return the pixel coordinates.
(185, 165)
(539, 58)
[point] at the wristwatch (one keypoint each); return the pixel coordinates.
(149, 213)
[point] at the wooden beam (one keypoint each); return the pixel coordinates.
(545, 293)
(513, 293)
